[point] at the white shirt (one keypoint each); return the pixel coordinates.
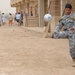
(18, 16)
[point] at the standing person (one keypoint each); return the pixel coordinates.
(31, 13)
(18, 18)
(10, 19)
(68, 21)
(3, 18)
(21, 21)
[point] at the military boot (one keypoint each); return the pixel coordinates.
(73, 62)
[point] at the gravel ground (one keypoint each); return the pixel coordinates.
(26, 52)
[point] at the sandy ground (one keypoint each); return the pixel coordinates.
(25, 52)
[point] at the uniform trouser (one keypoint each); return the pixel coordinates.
(71, 37)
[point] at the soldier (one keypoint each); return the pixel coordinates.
(68, 22)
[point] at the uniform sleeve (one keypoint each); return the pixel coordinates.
(74, 23)
(59, 26)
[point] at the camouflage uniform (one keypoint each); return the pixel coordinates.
(67, 22)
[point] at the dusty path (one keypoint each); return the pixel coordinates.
(25, 52)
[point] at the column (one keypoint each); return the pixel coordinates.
(16, 8)
(41, 12)
(33, 10)
(23, 12)
(63, 3)
(52, 12)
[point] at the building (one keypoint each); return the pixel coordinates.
(29, 9)
(40, 7)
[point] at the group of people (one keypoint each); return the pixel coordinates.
(3, 19)
(10, 18)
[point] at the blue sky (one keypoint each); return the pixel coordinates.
(5, 6)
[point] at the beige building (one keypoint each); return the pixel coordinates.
(40, 7)
(29, 9)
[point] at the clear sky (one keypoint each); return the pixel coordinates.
(5, 7)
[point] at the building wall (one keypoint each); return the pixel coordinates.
(73, 4)
(40, 7)
(14, 2)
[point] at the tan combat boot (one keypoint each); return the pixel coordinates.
(74, 62)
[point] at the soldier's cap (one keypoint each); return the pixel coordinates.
(68, 6)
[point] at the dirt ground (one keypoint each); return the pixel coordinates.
(26, 52)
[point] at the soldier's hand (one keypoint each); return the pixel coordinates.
(55, 31)
(72, 29)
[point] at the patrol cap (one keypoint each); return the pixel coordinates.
(68, 6)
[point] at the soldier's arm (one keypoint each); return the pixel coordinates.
(59, 26)
(73, 28)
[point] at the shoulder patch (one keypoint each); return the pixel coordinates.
(71, 18)
(74, 18)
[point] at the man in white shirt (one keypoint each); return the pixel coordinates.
(18, 17)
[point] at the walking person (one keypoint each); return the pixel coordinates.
(3, 19)
(10, 19)
(68, 22)
(18, 18)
